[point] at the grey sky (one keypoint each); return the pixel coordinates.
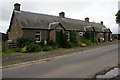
(96, 10)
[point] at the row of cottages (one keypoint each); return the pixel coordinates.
(39, 27)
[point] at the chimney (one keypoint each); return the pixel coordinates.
(62, 14)
(86, 19)
(101, 22)
(17, 6)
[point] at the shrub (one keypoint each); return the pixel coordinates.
(85, 40)
(73, 36)
(21, 42)
(82, 39)
(41, 43)
(47, 48)
(35, 47)
(83, 45)
(51, 43)
(65, 38)
(32, 47)
(78, 43)
(64, 41)
(88, 42)
(74, 40)
(17, 49)
(54, 47)
(69, 45)
(24, 49)
(96, 41)
(3, 47)
(86, 35)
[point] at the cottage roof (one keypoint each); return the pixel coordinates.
(42, 21)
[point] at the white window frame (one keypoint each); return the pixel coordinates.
(80, 34)
(38, 34)
(68, 36)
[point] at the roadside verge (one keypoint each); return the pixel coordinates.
(34, 58)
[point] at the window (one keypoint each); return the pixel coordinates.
(81, 34)
(68, 36)
(37, 36)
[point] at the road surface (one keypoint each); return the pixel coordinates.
(78, 65)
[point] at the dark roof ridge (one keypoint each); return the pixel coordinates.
(49, 15)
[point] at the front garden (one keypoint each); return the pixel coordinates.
(24, 45)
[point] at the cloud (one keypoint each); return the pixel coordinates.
(6, 15)
(6, 11)
(60, 1)
(4, 25)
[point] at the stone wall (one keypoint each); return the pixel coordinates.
(15, 30)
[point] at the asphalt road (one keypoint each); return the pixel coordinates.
(78, 65)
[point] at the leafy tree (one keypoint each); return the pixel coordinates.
(118, 17)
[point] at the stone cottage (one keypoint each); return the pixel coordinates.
(37, 26)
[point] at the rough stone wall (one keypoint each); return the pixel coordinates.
(106, 36)
(30, 34)
(53, 35)
(15, 30)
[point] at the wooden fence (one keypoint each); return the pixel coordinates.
(10, 45)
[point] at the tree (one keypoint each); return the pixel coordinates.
(118, 17)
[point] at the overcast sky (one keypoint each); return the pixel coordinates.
(96, 10)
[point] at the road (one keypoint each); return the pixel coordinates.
(78, 65)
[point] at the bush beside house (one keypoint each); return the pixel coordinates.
(26, 45)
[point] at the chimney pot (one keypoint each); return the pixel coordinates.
(87, 19)
(101, 22)
(17, 6)
(62, 14)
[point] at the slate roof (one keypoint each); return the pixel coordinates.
(42, 21)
